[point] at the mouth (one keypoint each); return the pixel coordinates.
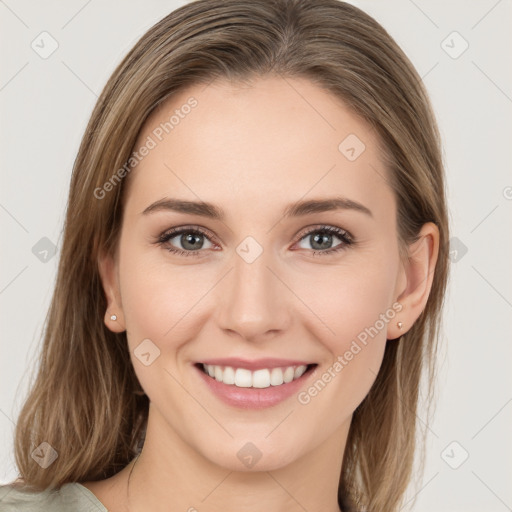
(258, 388)
(260, 379)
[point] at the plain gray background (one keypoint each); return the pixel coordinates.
(46, 102)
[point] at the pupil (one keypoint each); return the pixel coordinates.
(325, 237)
(188, 241)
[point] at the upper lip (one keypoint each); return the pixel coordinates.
(255, 364)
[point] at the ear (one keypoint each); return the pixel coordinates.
(415, 279)
(110, 280)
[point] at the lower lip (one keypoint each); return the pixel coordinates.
(253, 398)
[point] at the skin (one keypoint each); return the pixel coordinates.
(253, 150)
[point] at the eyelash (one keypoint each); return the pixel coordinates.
(344, 236)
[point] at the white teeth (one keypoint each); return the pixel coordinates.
(276, 377)
(299, 371)
(288, 374)
(263, 378)
(243, 378)
(228, 377)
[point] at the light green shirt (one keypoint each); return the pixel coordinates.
(71, 497)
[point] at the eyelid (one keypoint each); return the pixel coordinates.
(170, 233)
(324, 227)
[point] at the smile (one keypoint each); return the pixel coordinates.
(266, 384)
(263, 378)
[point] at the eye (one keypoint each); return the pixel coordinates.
(190, 239)
(321, 239)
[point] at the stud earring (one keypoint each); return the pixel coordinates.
(400, 325)
(113, 318)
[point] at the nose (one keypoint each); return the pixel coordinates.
(253, 301)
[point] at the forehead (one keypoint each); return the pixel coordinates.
(246, 146)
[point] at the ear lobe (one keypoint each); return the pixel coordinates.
(114, 317)
(419, 274)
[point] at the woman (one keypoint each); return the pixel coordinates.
(252, 273)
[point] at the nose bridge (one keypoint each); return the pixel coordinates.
(252, 301)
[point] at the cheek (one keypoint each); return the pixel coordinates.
(145, 295)
(355, 315)
(164, 303)
(156, 298)
(158, 305)
(350, 300)
(355, 306)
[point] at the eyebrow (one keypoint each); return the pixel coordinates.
(298, 209)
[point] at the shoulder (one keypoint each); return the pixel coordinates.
(70, 497)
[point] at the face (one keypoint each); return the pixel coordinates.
(262, 286)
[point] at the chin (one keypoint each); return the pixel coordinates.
(258, 454)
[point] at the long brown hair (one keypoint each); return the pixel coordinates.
(86, 401)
